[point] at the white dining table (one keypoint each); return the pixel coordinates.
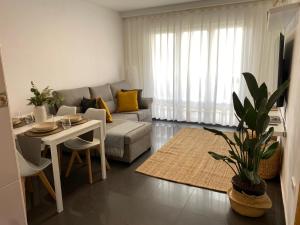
(55, 139)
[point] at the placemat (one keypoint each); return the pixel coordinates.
(29, 133)
(23, 123)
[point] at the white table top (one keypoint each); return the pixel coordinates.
(63, 135)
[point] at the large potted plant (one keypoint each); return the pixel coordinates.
(40, 99)
(250, 144)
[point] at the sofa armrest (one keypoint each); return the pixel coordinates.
(147, 103)
(98, 114)
(102, 116)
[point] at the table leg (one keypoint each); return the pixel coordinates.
(56, 175)
(102, 152)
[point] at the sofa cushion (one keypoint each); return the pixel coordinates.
(125, 116)
(104, 92)
(127, 101)
(139, 96)
(87, 103)
(102, 105)
(118, 86)
(73, 97)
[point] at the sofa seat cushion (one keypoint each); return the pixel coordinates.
(104, 92)
(140, 115)
(134, 135)
(125, 116)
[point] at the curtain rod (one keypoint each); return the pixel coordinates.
(182, 7)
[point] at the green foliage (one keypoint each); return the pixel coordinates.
(46, 96)
(252, 137)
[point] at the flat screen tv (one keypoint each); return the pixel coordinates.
(284, 65)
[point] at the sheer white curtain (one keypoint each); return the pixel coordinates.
(190, 62)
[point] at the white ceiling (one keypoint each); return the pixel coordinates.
(128, 5)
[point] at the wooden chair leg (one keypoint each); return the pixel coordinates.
(29, 184)
(88, 160)
(78, 158)
(23, 181)
(107, 164)
(70, 164)
(46, 183)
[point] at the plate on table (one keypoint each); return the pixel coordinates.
(44, 127)
(16, 121)
(74, 118)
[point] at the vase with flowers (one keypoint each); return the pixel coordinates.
(40, 100)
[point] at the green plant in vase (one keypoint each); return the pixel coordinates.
(40, 99)
(251, 141)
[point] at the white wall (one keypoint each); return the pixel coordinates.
(12, 208)
(291, 160)
(61, 43)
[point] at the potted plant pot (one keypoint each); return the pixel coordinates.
(247, 199)
(40, 113)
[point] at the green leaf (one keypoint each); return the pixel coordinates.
(247, 105)
(261, 94)
(262, 123)
(252, 176)
(262, 107)
(233, 155)
(217, 156)
(263, 90)
(250, 118)
(251, 83)
(221, 157)
(238, 107)
(219, 133)
(270, 150)
(250, 146)
(265, 138)
(237, 140)
(273, 98)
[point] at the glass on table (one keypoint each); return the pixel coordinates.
(29, 118)
(66, 122)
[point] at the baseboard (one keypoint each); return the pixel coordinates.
(284, 202)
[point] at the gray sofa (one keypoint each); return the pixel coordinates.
(108, 92)
(136, 141)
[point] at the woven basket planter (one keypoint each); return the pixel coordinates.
(248, 205)
(270, 168)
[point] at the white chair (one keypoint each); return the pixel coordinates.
(28, 169)
(78, 144)
(66, 110)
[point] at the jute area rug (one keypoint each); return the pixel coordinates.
(185, 159)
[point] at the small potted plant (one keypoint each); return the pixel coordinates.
(248, 146)
(40, 99)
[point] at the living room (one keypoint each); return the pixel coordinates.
(149, 112)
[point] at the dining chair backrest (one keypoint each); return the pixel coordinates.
(66, 110)
(97, 114)
(26, 169)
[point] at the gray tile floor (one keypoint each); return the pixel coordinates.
(130, 198)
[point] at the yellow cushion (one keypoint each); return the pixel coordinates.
(102, 105)
(127, 101)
